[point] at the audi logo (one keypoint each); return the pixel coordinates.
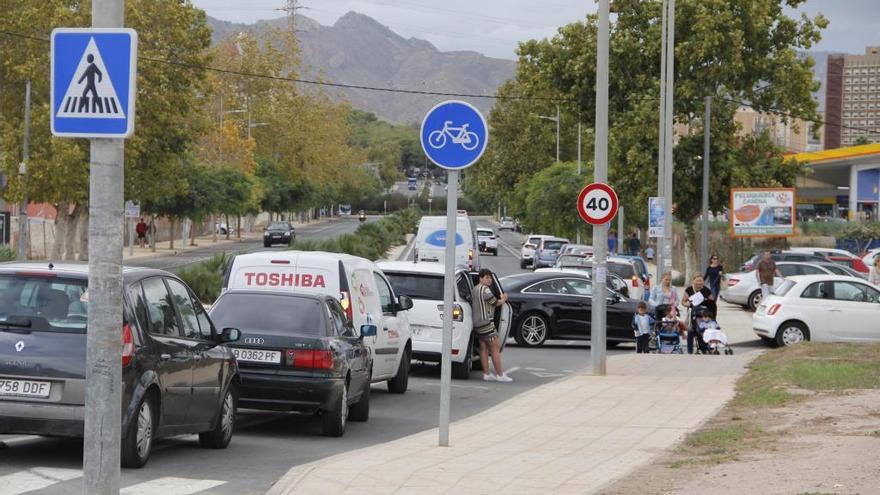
(254, 340)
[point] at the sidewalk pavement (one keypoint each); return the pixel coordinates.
(571, 436)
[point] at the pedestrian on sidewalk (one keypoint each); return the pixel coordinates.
(141, 231)
(695, 296)
(642, 324)
(484, 302)
(713, 275)
(765, 271)
(634, 245)
(874, 275)
(649, 252)
(664, 293)
(612, 243)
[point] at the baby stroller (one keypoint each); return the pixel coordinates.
(666, 338)
(714, 340)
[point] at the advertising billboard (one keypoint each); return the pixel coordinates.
(656, 217)
(762, 212)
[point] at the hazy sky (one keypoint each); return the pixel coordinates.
(494, 27)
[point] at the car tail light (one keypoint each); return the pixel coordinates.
(635, 281)
(345, 301)
(280, 262)
(457, 312)
(312, 359)
(470, 258)
(774, 309)
(732, 281)
(492, 237)
(455, 352)
(127, 345)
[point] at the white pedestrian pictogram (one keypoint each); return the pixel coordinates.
(460, 135)
(90, 93)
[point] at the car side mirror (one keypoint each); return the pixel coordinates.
(404, 303)
(368, 331)
(229, 335)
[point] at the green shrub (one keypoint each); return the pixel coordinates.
(7, 254)
(206, 279)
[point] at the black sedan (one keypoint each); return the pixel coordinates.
(279, 233)
(299, 353)
(557, 306)
(178, 377)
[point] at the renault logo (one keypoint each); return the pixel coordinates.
(254, 340)
(19, 346)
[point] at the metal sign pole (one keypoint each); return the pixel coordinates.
(22, 174)
(101, 444)
(600, 232)
(667, 136)
(448, 288)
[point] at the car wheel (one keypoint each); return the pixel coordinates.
(400, 382)
(221, 435)
(523, 264)
(532, 330)
(267, 244)
(755, 300)
(791, 333)
(333, 422)
(361, 411)
(462, 370)
(138, 441)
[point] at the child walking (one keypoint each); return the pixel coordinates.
(642, 324)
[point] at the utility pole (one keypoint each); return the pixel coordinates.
(101, 440)
(661, 143)
(621, 234)
(600, 232)
(554, 119)
(22, 175)
(667, 136)
(704, 228)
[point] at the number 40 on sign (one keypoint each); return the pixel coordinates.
(597, 203)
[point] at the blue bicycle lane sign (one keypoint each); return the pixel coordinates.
(454, 134)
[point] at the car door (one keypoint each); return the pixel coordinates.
(503, 314)
(854, 311)
(813, 306)
(172, 353)
(581, 292)
(389, 332)
(344, 339)
(564, 307)
(208, 358)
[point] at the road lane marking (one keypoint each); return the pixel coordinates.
(536, 369)
(35, 479)
(170, 486)
(511, 370)
(541, 374)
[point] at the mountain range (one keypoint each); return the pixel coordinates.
(358, 50)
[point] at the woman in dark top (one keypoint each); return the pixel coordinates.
(691, 302)
(713, 275)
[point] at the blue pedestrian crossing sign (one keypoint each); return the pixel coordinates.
(454, 134)
(93, 78)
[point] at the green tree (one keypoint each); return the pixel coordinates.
(547, 200)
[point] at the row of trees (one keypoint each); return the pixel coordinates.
(207, 141)
(728, 49)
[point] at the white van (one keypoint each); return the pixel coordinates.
(430, 244)
(361, 287)
(423, 282)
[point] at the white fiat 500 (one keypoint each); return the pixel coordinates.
(827, 308)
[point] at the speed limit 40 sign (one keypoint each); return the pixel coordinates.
(597, 203)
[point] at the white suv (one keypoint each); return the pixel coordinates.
(423, 283)
(527, 253)
(487, 241)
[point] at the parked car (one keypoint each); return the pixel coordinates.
(359, 286)
(577, 249)
(527, 252)
(487, 241)
(507, 223)
(279, 233)
(423, 282)
(822, 308)
(612, 281)
(547, 251)
(557, 306)
(855, 263)
(299, 352)
(222, 228)
(868, 259)
(743, 288)
(778, 256)
(430, 242)
(642, 271)
(824, 252)
(178, 376)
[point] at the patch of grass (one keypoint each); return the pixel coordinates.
(833, 375)
(7, 254)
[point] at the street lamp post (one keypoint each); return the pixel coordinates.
(554, 119)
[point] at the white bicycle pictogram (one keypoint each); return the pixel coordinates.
(460, 135)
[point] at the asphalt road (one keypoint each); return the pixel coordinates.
(266, 445)
(403, 188)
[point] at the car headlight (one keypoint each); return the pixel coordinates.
(287, 234)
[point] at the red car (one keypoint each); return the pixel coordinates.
(854, 263)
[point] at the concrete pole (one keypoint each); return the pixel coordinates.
(704, 227)
(621, 233)
(557, 133)
(22, 174)
(853, 203)
(668, 134)
(661, 153)
(103, 412)
(578, 240)
(600, 232)
(448, 301)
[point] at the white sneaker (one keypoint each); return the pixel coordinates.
(490, 377)
(504, 378)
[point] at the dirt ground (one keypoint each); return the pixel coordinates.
(825, 443)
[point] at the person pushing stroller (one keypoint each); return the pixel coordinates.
(695, 297)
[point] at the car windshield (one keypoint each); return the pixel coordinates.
(44, 303)
(417, 286)
(485, 232)
(269, 314)
(622, 270)
(506, 220)
(554, 245)
(836, 269)
(784, 287)
(573, 261)
(279, 226)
